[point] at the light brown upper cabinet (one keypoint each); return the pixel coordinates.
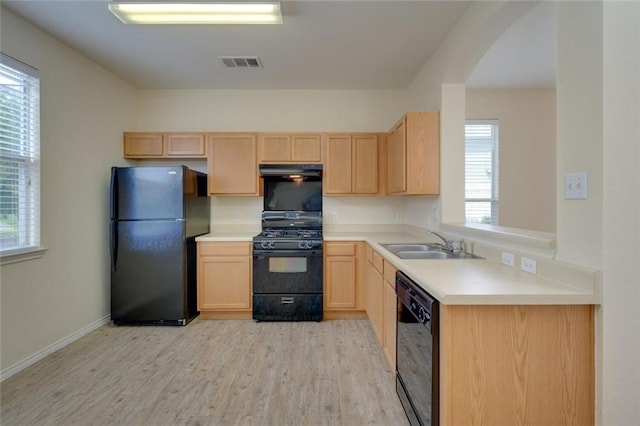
(164, 145)
(353, 164)
(414, 154)
(232, 165)
(289, 148)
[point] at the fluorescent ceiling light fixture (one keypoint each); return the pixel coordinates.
(197, 13)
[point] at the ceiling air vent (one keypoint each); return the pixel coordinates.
(241, 61)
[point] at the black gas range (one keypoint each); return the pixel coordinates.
(288, 267)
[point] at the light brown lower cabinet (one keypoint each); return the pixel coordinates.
(382, 305)
(517, 365)
(224, 280)
(343, 269)
(375, 283)
(389, 313)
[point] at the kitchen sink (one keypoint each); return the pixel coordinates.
(426, 255)
(425, 251)
(395, 248)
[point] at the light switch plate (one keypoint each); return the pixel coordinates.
(575, 186)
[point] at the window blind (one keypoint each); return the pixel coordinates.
(19, 156)
(481, 171)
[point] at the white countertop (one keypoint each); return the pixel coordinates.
(471, 281)
(228, 236)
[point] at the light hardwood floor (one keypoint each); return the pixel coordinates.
(211, 372)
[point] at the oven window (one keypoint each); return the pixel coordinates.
(287, 264)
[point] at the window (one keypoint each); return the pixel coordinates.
(19, 157)
(481, 171)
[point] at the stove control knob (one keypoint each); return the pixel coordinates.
(264, 245)
(300, 244)
(309, 244)
(272, 244)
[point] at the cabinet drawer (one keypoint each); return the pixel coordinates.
(224, 249)
(369, 254)
(389, 272)
(340, 249)
(377, 261)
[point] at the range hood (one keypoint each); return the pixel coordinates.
(290, 170)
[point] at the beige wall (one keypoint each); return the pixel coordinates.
(83, 111)
(270, 110)
(527, 168)
(580, 91)
(620, 225)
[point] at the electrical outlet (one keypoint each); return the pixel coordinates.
(528, 265)
(508, 259)
(334, 216)
(398, 217)
(236, 216)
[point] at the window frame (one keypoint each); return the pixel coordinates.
(20, 154)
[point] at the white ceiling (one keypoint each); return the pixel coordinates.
(321, 45)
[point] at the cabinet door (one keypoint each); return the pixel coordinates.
(526, 364)
(185, 145)
(306, 148)
(337, 176)
(275, 148)
(365, 164)
(422, 135)
(397, 159)
(390, 314)
(232, 162)
(225, 283)
(340, 291)
(142, 145)
(341, 276)
(374, 300)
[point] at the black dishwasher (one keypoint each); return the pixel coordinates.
(417, 361)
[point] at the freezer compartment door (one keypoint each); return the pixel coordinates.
(148, 273)
(141, 193)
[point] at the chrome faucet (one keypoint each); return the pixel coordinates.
(454, 246)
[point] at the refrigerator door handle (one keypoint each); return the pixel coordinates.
(113, 245)
(113, 199)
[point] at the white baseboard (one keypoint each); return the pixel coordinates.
(32, 359)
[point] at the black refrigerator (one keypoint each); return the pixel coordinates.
(156, 215)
